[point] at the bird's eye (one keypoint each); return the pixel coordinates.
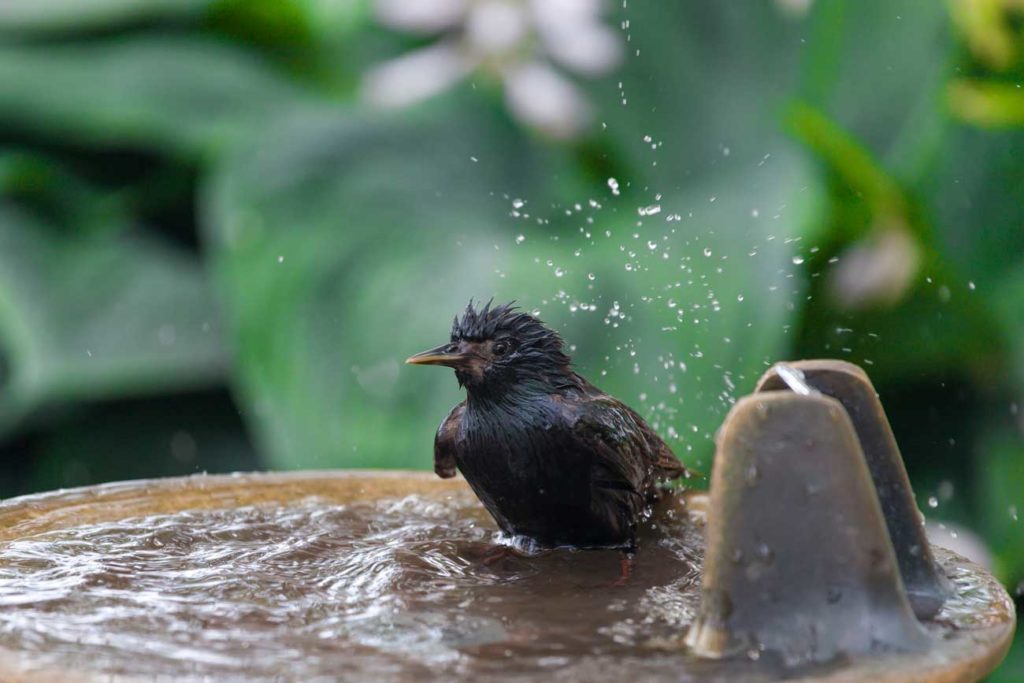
(500, 348)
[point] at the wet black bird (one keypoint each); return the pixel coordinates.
(552, 457)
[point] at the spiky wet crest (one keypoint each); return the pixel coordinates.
(537, 353)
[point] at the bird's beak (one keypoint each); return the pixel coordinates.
(437, 356)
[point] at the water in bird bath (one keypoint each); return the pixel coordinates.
(313, 589)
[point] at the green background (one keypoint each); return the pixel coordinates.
(214, 257)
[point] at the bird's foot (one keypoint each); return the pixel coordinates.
(626, 564)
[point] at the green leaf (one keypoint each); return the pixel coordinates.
(878, 68)
(988, 28)
(172, 94)
(999, 470)
(84, 318)
(1007, 297)
(179, 435)
(987, 104)
(62, 16)
(46, 186)
(273, 23)
(971, 191)
(853, 165)
(935, 312)
(699, 91)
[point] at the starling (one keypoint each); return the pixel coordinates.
(553, 458)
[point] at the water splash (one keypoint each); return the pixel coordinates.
(794, 379)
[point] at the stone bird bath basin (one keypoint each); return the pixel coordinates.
(382, 576)
(136, 614)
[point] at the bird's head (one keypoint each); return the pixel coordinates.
(492, 349)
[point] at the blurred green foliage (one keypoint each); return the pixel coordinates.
(193, 197)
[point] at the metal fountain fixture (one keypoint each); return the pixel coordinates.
(815, 547)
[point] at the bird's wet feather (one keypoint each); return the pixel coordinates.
(551, 457)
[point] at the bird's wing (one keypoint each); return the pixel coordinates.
(633, 443)
(444, 443)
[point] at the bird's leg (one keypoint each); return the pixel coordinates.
(627, 560)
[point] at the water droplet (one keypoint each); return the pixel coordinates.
(970, 285)
(591, 277)
(613, 184)
(707, 251)
(518, 203)
(797, 260)
(559, 272)
(520, 239)
(933, 502)
(280, 259)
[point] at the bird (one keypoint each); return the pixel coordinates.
(555, 461)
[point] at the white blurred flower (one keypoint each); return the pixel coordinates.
(428, 16)
(519, 41)
(417, 75)
(878, 270)
(794, 7)
(494, 28)
(572, 33)
(539, 96)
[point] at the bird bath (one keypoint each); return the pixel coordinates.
(379, 576)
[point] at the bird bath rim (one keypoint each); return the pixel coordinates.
(968, 656)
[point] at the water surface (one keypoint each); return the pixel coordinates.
(374, 590)
(395, 589)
